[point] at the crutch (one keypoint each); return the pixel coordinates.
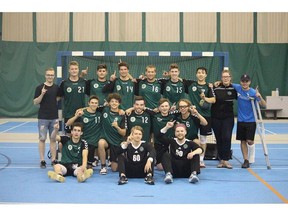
(260, 128)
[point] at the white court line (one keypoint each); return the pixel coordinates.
(3, 122)
(270, 132)
(14, 127)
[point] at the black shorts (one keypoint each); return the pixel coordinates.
(207, 129)
(246, 130)
(114, 152)
(70, 168)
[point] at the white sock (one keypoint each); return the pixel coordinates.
(201, 158)
(251, 153)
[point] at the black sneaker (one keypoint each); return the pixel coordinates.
(245, 164)
(54, 162)
(149, 180)
(43, 164)
(122, 180)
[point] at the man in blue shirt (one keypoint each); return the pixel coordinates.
(246, 122)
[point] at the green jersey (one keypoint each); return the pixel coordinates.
(193, 89)
(74, 96)
(150, 91)
(144, 120)
(173, 91)
(158, 122)
(125, 89)
(95, 87)
(192, 125)
(109, 133)
(92, 127)
(72, 152)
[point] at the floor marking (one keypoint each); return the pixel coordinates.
(280, 196)
(14, 127)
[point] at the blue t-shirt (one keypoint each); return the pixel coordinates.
(245, 110)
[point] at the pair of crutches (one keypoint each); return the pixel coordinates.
(260, 128)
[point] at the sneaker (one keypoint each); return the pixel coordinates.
(168, 178)
(95, 163)
(193, 178)
(87, 174)
(149, 180)
(55, 176)
(54, 162)
(103, 171)
(245, 164)
(43, 164)
(202, 164)
(122, 180)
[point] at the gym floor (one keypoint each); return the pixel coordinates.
(23, 182)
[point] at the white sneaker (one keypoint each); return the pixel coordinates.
(251, 153)
(103, 171)
(193, 178)
(168, 178)
(87, 174)
(55, 176)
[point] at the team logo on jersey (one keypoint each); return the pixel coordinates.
(70, 147)
(69, 89)
(116, 119)
(132, 119)
(168, 88)
(229, 93)
(141, 149)
(85, 120)
(185, 146)
(96, 85)
(118, 87)
(105, 115)
(194, 88)
(159, 119)
(143, 86)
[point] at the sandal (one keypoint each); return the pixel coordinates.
(221, 164)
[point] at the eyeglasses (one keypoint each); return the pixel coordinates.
(183, 107)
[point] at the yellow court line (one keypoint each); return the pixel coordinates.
(280, 196)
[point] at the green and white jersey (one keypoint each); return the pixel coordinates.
(92, 127)
(150, 91)
(143, 120)
(173, 91)
(94, 87)
(158, 123)
(72, 152)
(109, 133)
(126, 90)
(193, 89)
(74, 96)
(192, 125)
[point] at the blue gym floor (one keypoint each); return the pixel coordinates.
(22, 181)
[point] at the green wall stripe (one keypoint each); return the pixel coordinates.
(143, 27)
(254, 27)
(34, 27)
(181, 27)
(71, 27)
(218, 26)
(106, 26)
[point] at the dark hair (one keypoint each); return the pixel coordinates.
(101, 66)
(137, 98)
(93, 97)
(201, 68)
(77, 124)
(115, 96)
(123, 64)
